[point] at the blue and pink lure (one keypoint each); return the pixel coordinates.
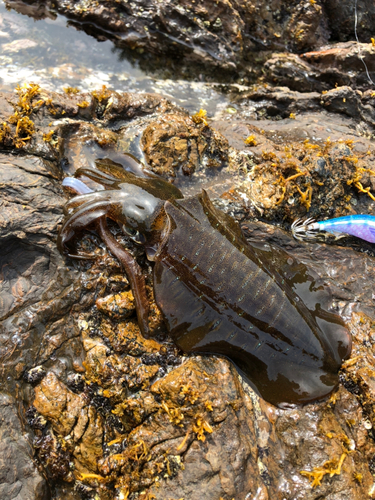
(361, 226)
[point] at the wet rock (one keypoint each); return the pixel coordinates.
(60, 406)
(358, 376)
(290, 70)
(29, 187)
(176, 142)
(35, 284)
(288, 181)
(341, 14)
(343, 100)
(221, 40)
(117, 306)
(188, 425)
(20, 478)
(276, 103)
(340, 64)
(34, 375)
(118, 415)
(127, 338)
(343, 57)
(57, 127)
(208, 34)
(78, 427)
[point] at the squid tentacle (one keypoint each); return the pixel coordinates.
(85, 199)
(77, 185)
(109, 167)
(87, 207)
(134, 273)
(97, 176)
(83, 216)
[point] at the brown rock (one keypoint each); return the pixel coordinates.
(143, 419)
(72, 420)
(176, 142)
(226, 40)
(55, 402)
(20, 478)
(90, 445)
(127, 338)
(117, 306)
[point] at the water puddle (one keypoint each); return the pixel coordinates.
(55, 54)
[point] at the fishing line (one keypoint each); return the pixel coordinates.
(359, 46)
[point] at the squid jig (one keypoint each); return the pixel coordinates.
(361, 226)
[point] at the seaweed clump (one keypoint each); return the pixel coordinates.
(331, 467)
(23, 126)
(19, 128)
(303, 178)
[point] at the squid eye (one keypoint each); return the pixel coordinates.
(135, 235)
(129, 231)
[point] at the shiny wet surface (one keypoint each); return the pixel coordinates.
(55, 54)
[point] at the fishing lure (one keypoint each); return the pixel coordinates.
(218, 294)
(361, 226)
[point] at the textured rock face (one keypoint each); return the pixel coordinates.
(19, 476)
(119, 416)
(235, 38)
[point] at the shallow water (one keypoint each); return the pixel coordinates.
(55, 54)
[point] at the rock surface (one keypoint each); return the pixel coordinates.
(230, 38)
(119, 416)
(20, 479)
